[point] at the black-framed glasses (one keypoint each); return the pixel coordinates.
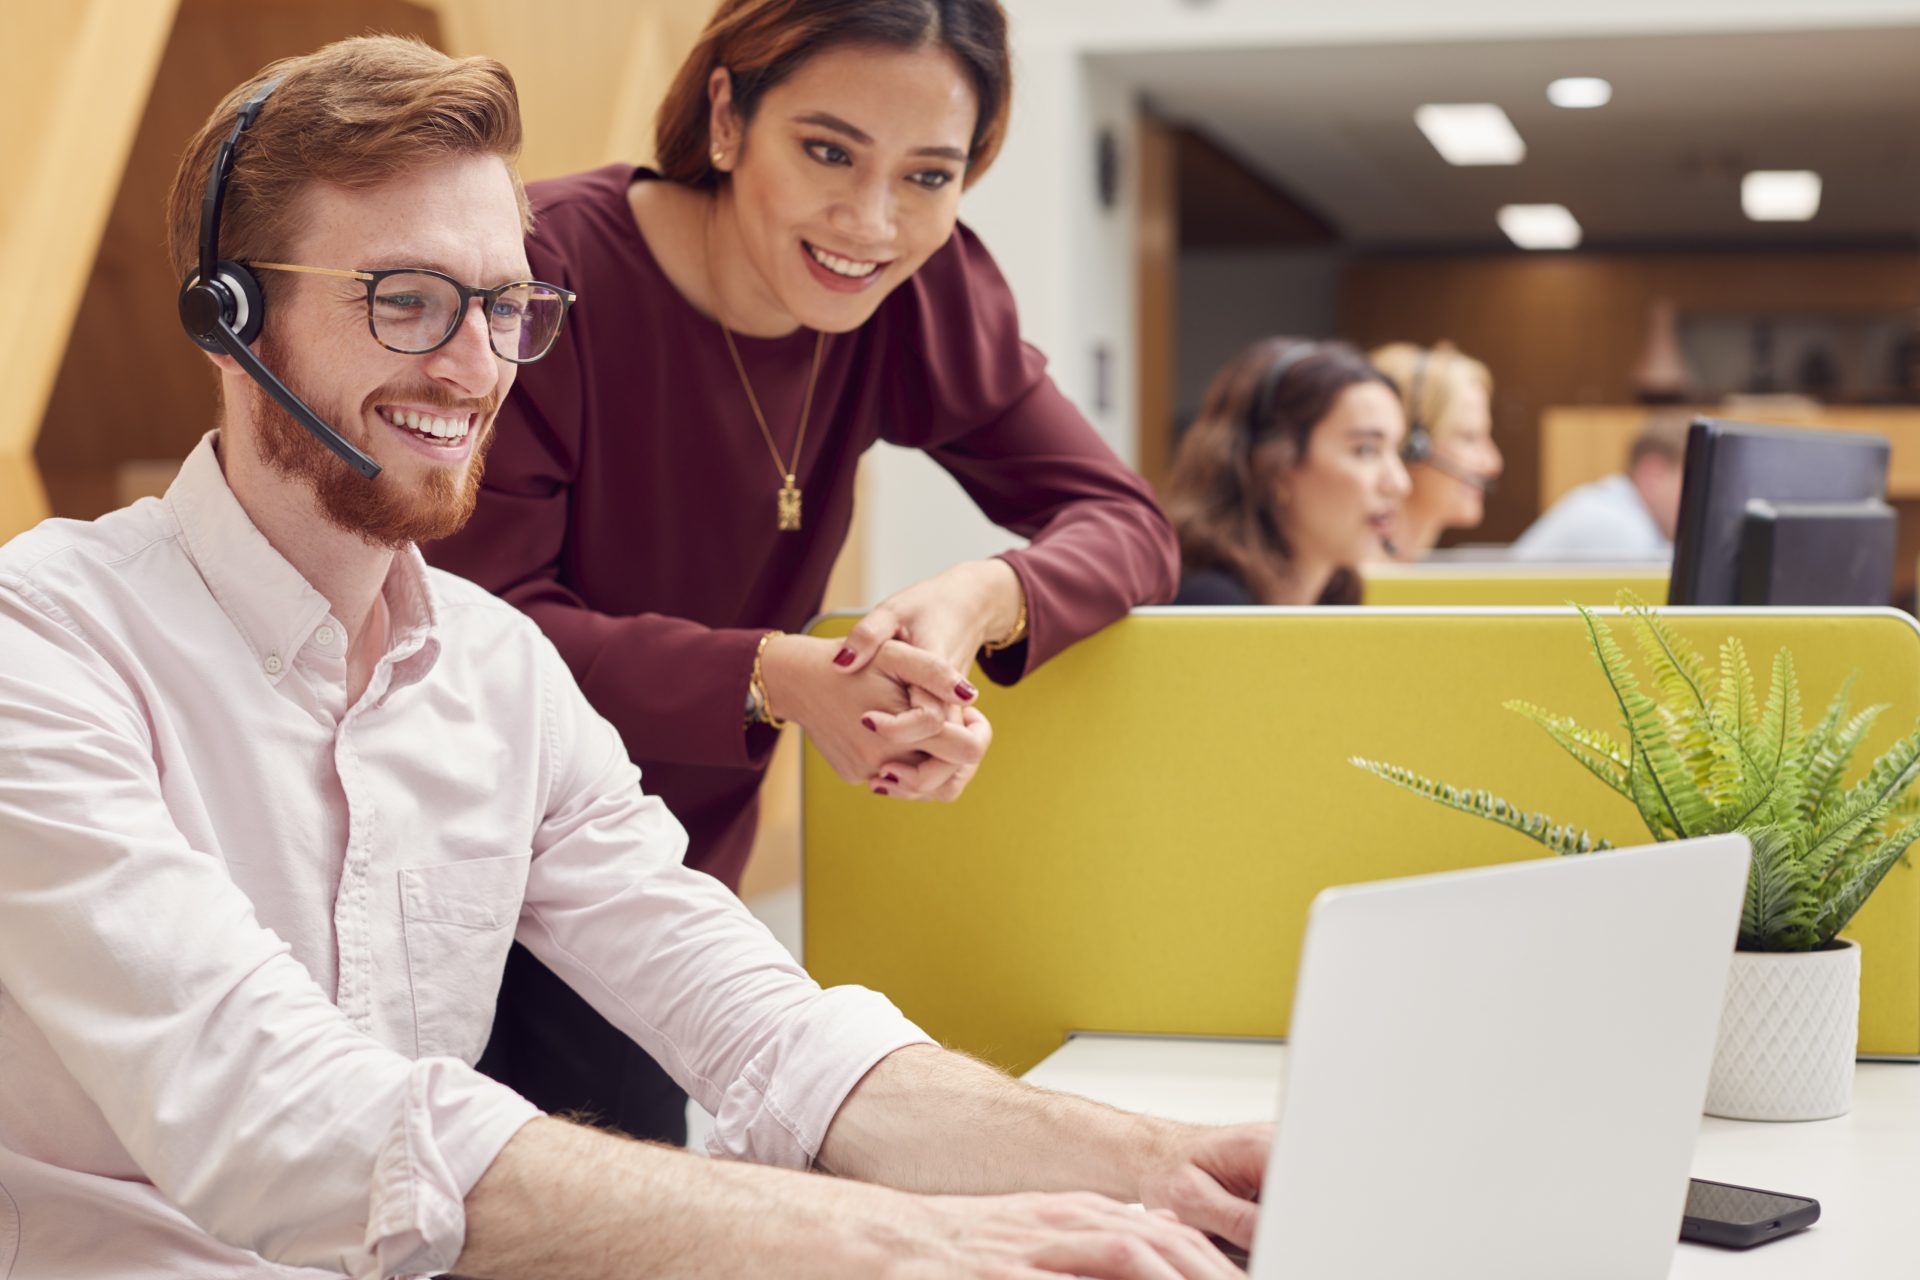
(414, 310)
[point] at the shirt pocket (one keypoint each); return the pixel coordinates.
(458, 920)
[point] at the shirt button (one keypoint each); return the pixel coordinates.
(272, 664)
(324, 636)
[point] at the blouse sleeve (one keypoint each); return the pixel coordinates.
(978, 400)
(512, 546)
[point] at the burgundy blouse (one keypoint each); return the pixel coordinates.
(629, 501)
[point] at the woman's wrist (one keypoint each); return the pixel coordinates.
(783, 666)
(1003, 604)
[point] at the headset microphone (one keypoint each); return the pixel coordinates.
(1419, 451)
(222, 306)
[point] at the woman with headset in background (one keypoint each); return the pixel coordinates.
(1450, 452)
(667, 496)
(1290, 479)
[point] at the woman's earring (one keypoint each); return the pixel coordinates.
(718, 158)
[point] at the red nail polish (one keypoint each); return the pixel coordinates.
(966, 691)
(879, 791)
(870, 725)
(844, 658)
(891, 778)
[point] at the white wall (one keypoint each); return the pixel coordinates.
(1114, 25)
(1071, 265)
(1072, 300)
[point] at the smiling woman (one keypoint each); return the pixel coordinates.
(667, 494)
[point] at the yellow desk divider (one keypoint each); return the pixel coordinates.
(1484, 584)
(1162, 802)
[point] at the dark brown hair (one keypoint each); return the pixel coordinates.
(355, 114)
(1220, 495)
(763, 42)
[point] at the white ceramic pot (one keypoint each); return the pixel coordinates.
(1788, 1036)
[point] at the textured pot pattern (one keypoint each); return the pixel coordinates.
(1788, 1036)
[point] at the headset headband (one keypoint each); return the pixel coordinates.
(222, 306)
(217, 176)
(1269, 384)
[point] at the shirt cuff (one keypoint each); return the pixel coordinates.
(778, 1111)
(453, 1125)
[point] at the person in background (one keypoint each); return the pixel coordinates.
(670, 491)
(1630, 516)
(1290, 479)
(1450, 451)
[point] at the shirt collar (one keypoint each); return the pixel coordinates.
(273, 607)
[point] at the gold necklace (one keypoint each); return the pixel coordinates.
(787, 510)
(787, 513)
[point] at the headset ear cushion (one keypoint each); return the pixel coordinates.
(1419, 446)
(249, 301)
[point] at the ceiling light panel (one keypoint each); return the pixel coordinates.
(1580, 93)
(1471, 133)
(1540, 226)
(1780, 195)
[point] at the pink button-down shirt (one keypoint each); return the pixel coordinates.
(251, 935)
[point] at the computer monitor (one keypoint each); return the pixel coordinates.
(1774, 515)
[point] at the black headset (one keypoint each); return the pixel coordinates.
(1259, 404)
(1419, 450)
(222, 306)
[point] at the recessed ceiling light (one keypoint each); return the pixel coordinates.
(1471, 133)
(1580, 93)
(1780, 195)
(1540, 226)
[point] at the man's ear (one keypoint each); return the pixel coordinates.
(724, 132)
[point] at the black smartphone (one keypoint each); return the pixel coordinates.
(1741, 1217)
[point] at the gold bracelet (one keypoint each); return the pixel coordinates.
(1018, 633)
(757, 685)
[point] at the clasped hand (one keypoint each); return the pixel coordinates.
(903, 724)
(891, 707)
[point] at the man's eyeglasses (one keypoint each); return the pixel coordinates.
(414, 310)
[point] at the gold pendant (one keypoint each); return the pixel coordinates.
(789, 497)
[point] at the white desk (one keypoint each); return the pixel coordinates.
(1863, 1168)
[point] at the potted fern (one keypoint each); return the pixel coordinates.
(1708, 756)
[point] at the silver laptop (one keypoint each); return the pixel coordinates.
(1498, 1073)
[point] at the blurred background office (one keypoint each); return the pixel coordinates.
(1611, 205)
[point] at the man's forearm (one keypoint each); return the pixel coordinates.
(562, 1201)
(929, 1120)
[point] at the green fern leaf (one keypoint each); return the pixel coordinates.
(1775, 788)
(1782, 900)
(1864, 806)
(1859, 876)
(1735, 716)
(1668, 798)
(1831, 761)
(1562, 839)
(1684, 683)
(1822, 738)
(1598, 752)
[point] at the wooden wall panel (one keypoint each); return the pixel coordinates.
(590, 74)
(1157, 264)
(73, 79)
(131, 387)
(1567, 329)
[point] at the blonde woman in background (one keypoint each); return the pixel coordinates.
(1450, 452)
